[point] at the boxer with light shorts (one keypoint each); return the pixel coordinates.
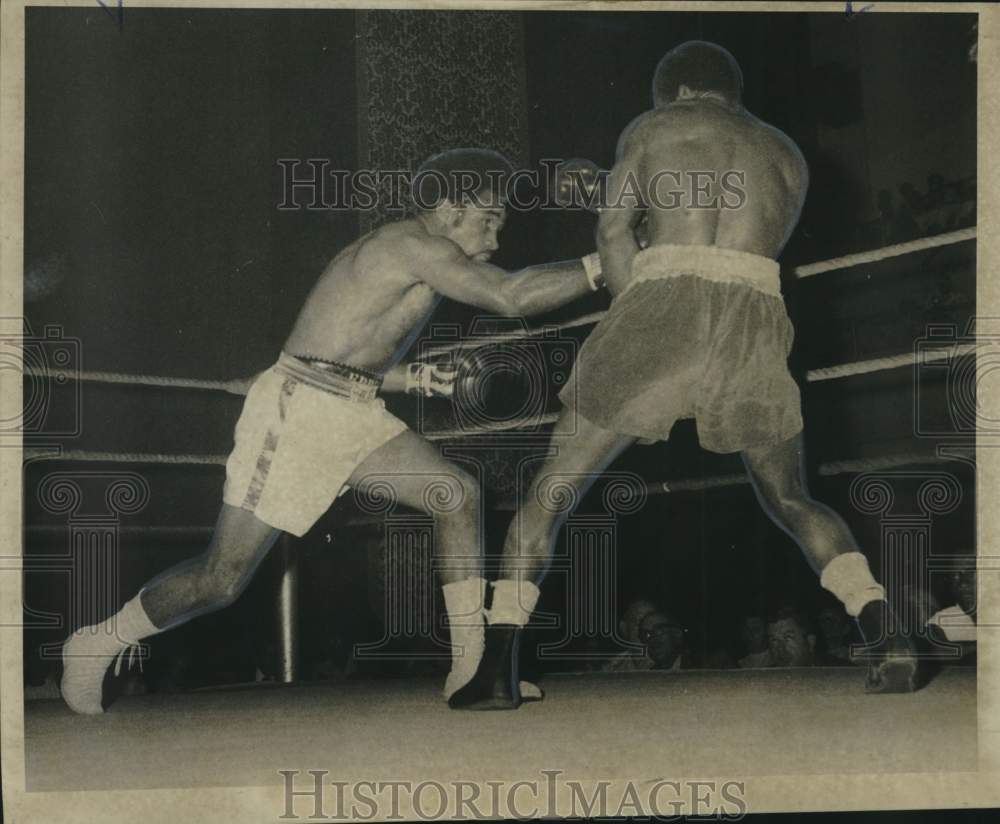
(313, 424)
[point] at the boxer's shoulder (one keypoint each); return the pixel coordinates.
(641, 128)
(781, 146)
(422, 249)
(401, 248)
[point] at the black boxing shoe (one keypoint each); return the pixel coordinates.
(495, 685)
(893, 661)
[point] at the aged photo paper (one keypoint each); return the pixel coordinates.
(476, 410)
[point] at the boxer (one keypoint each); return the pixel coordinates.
(697, 328)
(313, 424)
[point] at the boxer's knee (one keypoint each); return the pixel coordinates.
(454, 498)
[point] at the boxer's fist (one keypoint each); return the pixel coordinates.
(579, 183)
(431, 379)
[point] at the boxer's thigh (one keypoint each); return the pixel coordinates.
(410, 470)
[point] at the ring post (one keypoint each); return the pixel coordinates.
(288, 612)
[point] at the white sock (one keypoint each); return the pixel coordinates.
(849, 578)
(133, 623)
(464, 601)
(89, 651)
(127, 626)
(513, 602)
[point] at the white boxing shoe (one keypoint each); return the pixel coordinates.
(88, 652)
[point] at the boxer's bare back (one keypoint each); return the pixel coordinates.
(738, 183)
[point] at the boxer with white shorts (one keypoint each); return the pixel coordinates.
(313, 424)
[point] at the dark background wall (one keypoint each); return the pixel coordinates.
(152, 184)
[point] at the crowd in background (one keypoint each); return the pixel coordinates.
(793, 637)
(942, 206)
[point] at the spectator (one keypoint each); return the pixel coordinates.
(957, 623)
(631, 618)
(665, 646)
(753, 633)
(790, 641)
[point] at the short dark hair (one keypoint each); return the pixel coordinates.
(796, 615)
(702, 67)
(459, 175)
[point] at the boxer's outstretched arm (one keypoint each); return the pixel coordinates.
(531, 291)
(547, 286)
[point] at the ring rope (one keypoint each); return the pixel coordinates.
(865, 367)
(506, 337)
(854, 465)
(123, 457)
(812, 376)
(804, 271)
(240, 386)
(886, 252)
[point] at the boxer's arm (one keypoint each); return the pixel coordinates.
(616, 224)
(544, 287)
(531, 291)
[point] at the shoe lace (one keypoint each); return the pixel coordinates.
(134, 654)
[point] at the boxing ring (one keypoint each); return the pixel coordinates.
(648, 724)
(640, 726)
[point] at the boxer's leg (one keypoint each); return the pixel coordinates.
(194, 587)
(583, 451)
(420, 478)
(214, 579)
(778, 476)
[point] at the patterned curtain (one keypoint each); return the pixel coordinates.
(435, 80)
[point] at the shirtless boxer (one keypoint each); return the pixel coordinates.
(313, 423)
(697, 329)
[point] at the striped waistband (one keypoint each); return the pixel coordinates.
(348, 382)
(709, 262)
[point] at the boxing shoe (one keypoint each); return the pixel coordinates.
(88, 652)
(893, 663)
(86, 656)
(495, 685)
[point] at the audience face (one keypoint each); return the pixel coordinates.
(754, 633)
(634, 613)
(789, 643)
(664, 638)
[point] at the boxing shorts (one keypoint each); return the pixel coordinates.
(700, 332)
(305, 427)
